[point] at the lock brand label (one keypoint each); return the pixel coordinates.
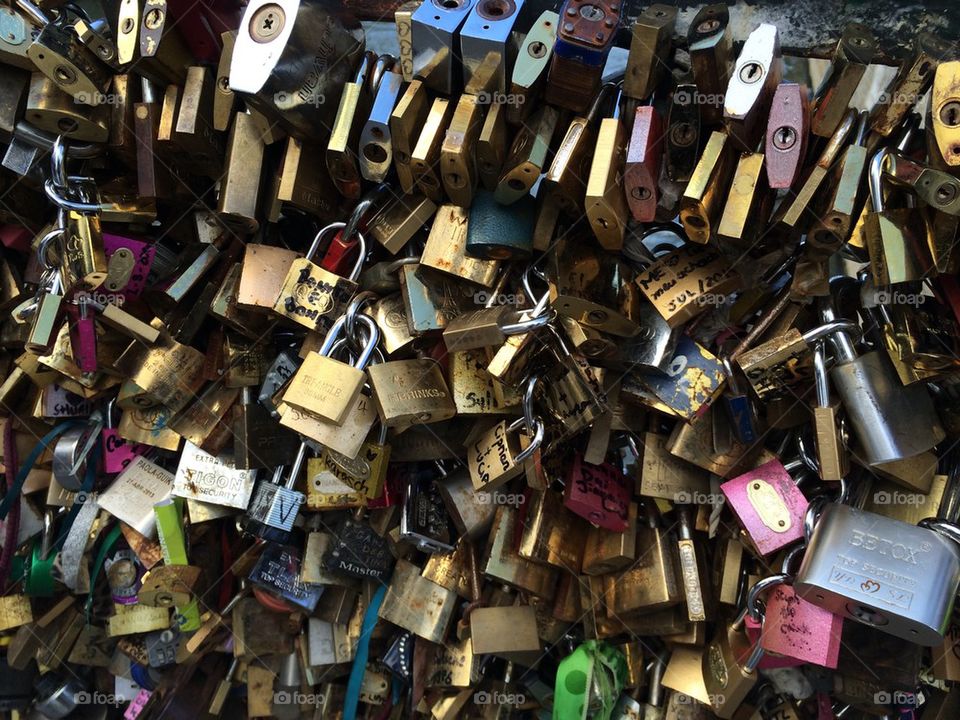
(888, 548)
(717, 665)
(202, 476)
(691, 581)
(868, 586)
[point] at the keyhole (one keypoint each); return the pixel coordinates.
(950, 114)
(946, 193)
(784, 138)
(682, 134)
(640, 193)
(708, 26)
(153, 19)
(537, 49)
(267, 23)
(591, 13)
(751, 72)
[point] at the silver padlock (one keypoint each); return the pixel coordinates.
(435, 33)
(71, 452)
(890, 420)
(273, 508)
(899, 578)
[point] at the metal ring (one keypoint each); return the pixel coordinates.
(528, 391)
(535, 443)
(753, 595)
(43, 247)
(65, 204)
(42, 140)
(532, 323)
(790, 555)
(350, 316)
(944, 528)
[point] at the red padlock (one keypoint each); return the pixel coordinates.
(599, 493)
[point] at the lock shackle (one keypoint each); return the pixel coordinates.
(820, 375)
(43, 247)
(85, 208)
(860, 134)
(806, 460)
(831, 327)
(535, 443)
(333, 334)
(944, 528)
(875, 179)
(812, 515)
(384, 63)
(58, 163)
(361, 211)
(519, 326)
(790, 556)
(598, 100)
(333, 227)
(296, 466)
(526, 281)
(365, 67)
(350, 316)
(755, 608)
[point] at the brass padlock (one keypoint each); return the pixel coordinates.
(710, 44)
(700, 204)
(854, 52)
(650, 48)
(410, 391)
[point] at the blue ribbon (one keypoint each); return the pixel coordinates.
(352, 698)
(13, 492)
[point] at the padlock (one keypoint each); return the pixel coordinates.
(583, 42)
(568, 173)
(328, 388)
(527, 156)
(897, 578)
(341, 152)
(531, 66)
(730, 666)
(786, 136)
(376, 561)
(835, 217)
(682, 136)
(641, 173)
(755, 75)
(891, 422)
(854, 52)
(70, 455)
(435, 37)
(267, 66)
(748, 204)
(487, 47)
(83, 332)
(406, 121)
(52, 109)
(410, 391)
(604, 200)
(945, 113)
(58, 52)
(701, 202)
(829, 441)
(458, 150)
(598, 493)
(710, 45)
(314, 297)
(425, 156)
(424, 522)
(494, 233)
(912, 81)
(769, 505)
(376, 146)
(274, 507)
(651, 44)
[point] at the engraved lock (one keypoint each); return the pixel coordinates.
(653, 582)
(891, 421)
(424, 521)
(584, 38)
(268, 65)
(277, 571)
(897, 578)
(710, 44)
(786, 140)
(117, 451)
(701, 202)
(274, 507)
(829, 436)
(598, 493)
(341, 154)
(128, 264)
(837, 214)
(51, 109)
(854, 52)
(445, 253)
(71, 452)
(212, 478)
(410, 392)
(729, 666)
(326, 387)
(531, 66)
(496, 457)
(651, 45)
(692, 569)
(796, 214)
(769, 505)
(359, 552)
(403, 18)
(312, 296)
(675, 282)
(641, 172)
(605, 202)
(435, 36)
(773, 367)
(131, 497)
(418, 605)
(458, 168)
(376, 144)
(567, 175)
(528, 155)
(756, 73)
(425, 156)
(594, 288)
(682, 135)
(488, 45)
(944, 122)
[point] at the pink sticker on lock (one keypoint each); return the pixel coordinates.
(769, 505)
(132, 265)
(137, 705)
(798, 629)
(118, 452)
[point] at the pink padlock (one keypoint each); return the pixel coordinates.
(118, 452)
(128, 265)
(599, 493)
(769, 505)
(83, 334)
(767, 662)
(795, 628)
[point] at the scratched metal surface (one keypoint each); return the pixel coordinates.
(808, 28)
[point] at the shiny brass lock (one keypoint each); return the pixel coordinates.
(50, 108)
(854, 52)
(604, 200)
(425, 158)
(650, 47)
(747, 206)
(527, 156)
(458, 150)
(237, 204)
(341, 155)
(314, 297)
(83, 262)
(944, 123)
(700, 204)
(710, 44)
(61, 55)
(406, 120)
(410, 391)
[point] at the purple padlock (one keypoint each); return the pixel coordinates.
(83, 333)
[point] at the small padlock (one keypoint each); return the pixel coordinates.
(833, 460)
(788, 126)
(274, 507)
(70, 456)
(598, 493)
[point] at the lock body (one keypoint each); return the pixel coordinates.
(898, 578)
